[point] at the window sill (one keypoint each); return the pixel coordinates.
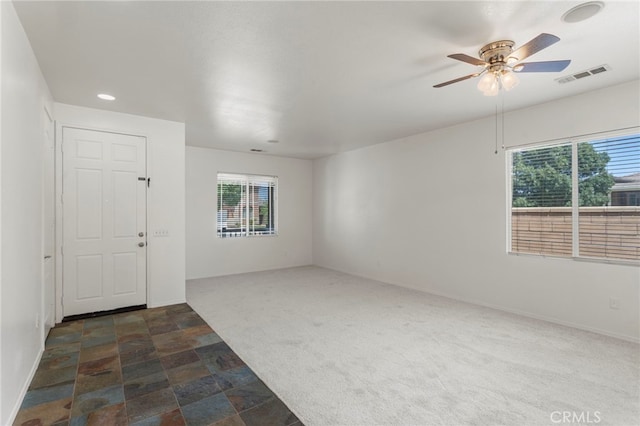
(622, 262)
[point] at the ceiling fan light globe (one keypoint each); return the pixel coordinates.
(494, 88)
(486, 81)
(509, 80)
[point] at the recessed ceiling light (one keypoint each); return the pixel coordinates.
(273, 141)
(106, 97)
(582, 11)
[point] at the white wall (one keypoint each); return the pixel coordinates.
(165, 197)
(429, 212)
(24, 96)
(208, 255)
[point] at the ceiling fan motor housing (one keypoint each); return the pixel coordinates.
(496, 53)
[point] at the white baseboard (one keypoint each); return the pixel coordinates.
(632, 339)
(25, 387)
(628, 338)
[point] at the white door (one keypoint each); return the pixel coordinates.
(104, 221)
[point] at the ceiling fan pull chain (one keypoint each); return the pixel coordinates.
(502, 96)
(496, 152)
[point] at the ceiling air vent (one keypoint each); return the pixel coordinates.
(582, 74)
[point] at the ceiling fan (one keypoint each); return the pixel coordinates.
(499, 62)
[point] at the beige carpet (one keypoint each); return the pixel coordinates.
(343, 350)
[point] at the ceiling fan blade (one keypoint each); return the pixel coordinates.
(544, 40)
(468, 59)
(466, 77)
(546, 66)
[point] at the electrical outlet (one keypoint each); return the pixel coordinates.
(161, 233)
(614, 303)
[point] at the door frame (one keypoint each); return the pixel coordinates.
(48, 319)
(59, 128)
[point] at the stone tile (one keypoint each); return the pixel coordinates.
(45, 414)
(171, 418)
(208, 410)
(145, 384)
(132, 328)
(207, 339)
(112, 415)
(198, 330)
(167, 358)
(51, 393)
(272, 412)
(58, 351)
(98, 352)
(161, 327)
(128, 318)
(135, 344)
(220, 356)
(104, 322)
(187, 373)
(50, 362)
(140, 355)
(102, 364)
(86, 383)
(141, 369)
(96, 331)
(230, 421)
(155, 313)
(178, 359)
(234, 377)
(62, 339)
(249, 396)
(151, 404)
(53, 376)
(131, 337)
(172, 342)
(187, 320)
(196, 390)
(92, 401)
(178, 309)
(88, 342)
(66, 328)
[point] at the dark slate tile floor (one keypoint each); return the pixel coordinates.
(161, 366)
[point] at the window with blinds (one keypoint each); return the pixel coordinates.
(577, 199)
(246, 205)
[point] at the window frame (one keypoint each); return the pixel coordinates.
(574, 141)
(247, 179)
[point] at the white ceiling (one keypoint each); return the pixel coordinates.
(320, 77)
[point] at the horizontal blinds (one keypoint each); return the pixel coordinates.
(609, 187)
(603, 176)
(542, 177)
(541, 201)
(246, 205)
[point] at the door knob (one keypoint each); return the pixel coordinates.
(140, 244)
(140, 234)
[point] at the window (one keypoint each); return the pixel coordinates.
(246, 205)
(577, 199)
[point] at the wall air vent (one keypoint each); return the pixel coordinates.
(582, 74)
